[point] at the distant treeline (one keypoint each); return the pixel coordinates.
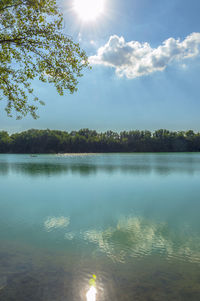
(89, 141)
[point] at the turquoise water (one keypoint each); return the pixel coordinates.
(130, 219)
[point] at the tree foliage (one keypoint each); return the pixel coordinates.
(87, 141)
(33, 46)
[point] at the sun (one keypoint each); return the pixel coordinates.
(89, 10)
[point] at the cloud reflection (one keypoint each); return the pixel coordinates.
(52, 223)
(138, 237)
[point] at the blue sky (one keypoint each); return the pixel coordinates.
(124, 91)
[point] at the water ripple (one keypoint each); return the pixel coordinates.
(137, 237)
(52, 223)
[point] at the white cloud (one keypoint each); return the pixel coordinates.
(134, 59)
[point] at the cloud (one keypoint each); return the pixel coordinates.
(134, 59)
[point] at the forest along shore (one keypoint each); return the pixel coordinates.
(90, 141)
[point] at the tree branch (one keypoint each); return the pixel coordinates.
(10, 6)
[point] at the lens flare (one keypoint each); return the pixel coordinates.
(89, 10)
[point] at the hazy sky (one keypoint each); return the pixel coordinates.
(146, 65)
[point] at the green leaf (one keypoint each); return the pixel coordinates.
(33, 46)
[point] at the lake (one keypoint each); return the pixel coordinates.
(129, 220)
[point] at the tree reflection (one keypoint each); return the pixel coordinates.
(85, 169)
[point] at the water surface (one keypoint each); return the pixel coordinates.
(130, 219)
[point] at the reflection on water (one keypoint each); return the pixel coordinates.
(130, 219)
(53, 278)
(138, 237)
(91, 294)
(52, 223)
(93, 163)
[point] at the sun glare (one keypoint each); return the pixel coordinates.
(89, 10)
(91, 294)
